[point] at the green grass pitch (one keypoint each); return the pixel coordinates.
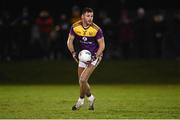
(124, 101)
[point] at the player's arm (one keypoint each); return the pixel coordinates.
(101, 48)
(70, 46)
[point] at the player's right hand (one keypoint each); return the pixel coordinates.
(93, 58)
(74, 55)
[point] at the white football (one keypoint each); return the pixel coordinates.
(84, 56)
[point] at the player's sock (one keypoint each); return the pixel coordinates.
(81, 100)
(91, 97)
(79, 104)
(91, 102)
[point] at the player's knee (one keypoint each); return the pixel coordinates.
(83, 80)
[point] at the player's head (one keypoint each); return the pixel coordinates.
(87, 15)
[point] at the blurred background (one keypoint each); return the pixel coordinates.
(134, 30)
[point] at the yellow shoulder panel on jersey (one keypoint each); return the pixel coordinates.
(77, 23)
(95, 26)
(80, 31)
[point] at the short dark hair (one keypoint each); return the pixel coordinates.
(87, 9)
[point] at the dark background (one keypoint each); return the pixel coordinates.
(125, 60)
(65, 5)
(168, 27)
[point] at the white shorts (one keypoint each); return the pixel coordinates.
(84, 65)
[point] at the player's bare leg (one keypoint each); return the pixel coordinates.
(80, 101)
(87, 73)
(88, 92)
(83, 87)
(84, 74)
(85, 90)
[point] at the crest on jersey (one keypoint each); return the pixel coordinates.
(84, 38)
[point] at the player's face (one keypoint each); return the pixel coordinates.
(88, 18)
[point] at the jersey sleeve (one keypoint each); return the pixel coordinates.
(99, 34)
(72, 31)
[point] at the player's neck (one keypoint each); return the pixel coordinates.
(85, 26)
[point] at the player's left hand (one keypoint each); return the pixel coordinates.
(99, 55)
(74, 55)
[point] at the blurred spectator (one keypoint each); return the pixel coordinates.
(107, 26)
(62, 29)
(45, 24)
(141, 32)
(7, 44)
(34, 42)
(125, 34)
(176, 34)
(1, 37)
(23, 25)
(159, 30)
(76, 14)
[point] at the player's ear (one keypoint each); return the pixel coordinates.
(82, 16)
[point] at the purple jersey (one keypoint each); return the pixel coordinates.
(87, 38)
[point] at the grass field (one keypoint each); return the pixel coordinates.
(112, 101)
(123, 89)
(130, 71)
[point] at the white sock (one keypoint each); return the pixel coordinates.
(81, 100)
(90, 98)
